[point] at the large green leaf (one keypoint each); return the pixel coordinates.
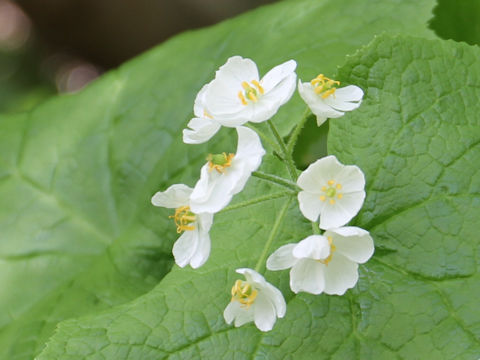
(78, 233)
(416, 137)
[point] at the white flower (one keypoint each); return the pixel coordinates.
(324, 263)
(255, 300)
(193, 246)
(333, 191)
(225, 175)
(202, 127)
(238, 95)
(326, 101)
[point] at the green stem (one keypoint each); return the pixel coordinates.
(296, 132)
(276, 180)
(273, 233)
(315, 228)
(287, 156)
(257, 200)
(264, 137)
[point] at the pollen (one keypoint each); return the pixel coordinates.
(183, 218)
(219, 162)
(244, 293)
(324, 86)
(207, 114)
(331, 191)
(339, 196)
(332, 202)
(323, 197)
(251, 92)
(331, 182)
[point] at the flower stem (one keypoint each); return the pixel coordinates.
(315, 228)
(264, 137)
(286, 155)
(273, 233)
(277, 180)
(296, 132)
(257, 200)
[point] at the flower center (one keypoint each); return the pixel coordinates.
(332, 250)
(331, 191)
(183, 218)
(219, 162)
(324, 86)
(250, 93)
(243, 292)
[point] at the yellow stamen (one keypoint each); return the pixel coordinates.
(332, 201)
(219, 162)
(183, 218)
(322, 197)
(324, 188)
(258, 86)
(243, 293)
(324, 86)
(339, 196)
(339, 186)
(331, 182)
(332, 250)
(252, 96)
(242, 98)
(206, 114)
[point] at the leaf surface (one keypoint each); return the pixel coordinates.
(78, 232)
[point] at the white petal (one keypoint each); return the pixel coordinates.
(278, 74)
(204, 221)
(252, 276)
(282, 258)
(276, 298)
(313, 247)
(340, 274)
(235, 311)
(199, 104)
(221, 97)
(316, 104)
(201, 130)
(319, 173)
(185, 247)
(175, 196)
(340, 213)
(310, 205)
(349, 93)
(249, 149)
(202, 251)
(351, 178)
(353, 242)
(264, 313)
(213, 191)
(307, 275)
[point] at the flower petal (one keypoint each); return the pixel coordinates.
(310, 205)
(221, 97)
(316, 104)
(199, 104)
(319, 173)
(314, 247)
(235, 311)
(349, 93)
(202, 252)
(307, 275)
(276, 298)
(282, 258)
(249, 149)
(264, 313)
(185, 247)
(278, 74)
(340, 274)
(351, 178)
(175, 196)
(353, 242)
(252, 276)
(201, 130)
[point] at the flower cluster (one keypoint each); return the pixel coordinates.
(330, 195)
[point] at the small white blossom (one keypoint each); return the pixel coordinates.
(255, 300)
(193, 246)
(326, 101)
(331, 190)
(226, 175)
(238, 95)
(324, 263)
